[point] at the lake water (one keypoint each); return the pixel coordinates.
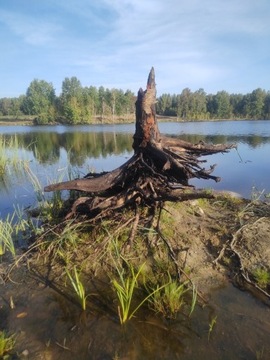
(54, 152)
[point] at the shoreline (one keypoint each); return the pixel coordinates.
(107, 121)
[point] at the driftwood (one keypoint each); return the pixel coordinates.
(159, 169)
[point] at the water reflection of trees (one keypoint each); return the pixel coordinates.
(46, 146)
(253, 141)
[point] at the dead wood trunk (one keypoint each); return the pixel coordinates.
(159, 169)
(147, 131)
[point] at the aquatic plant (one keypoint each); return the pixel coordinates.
(47, 207)
(170, 300)
(124, 288)
(3, 157)
(17, 228)
(11, 159)
(194, 299)
(36, 184)
(6, 344)
(6, 235)
(125, 284)
(211, 326)
(77, 286)
(171, 297)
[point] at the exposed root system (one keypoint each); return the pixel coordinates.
(159, 170)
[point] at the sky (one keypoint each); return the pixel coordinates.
(211, 44)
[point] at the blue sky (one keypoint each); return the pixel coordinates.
(210, 44)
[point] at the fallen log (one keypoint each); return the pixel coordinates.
(159, 169)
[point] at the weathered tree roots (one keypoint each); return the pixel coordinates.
(148, 177)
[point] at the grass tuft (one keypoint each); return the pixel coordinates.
(6, 344)
(77, 286)
(170, 299)
(262, 277)
(6, 236)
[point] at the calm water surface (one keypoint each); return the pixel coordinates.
(52, 154)
(55, 152)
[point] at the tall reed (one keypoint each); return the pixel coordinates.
(10, 157)
(48, 207)
(16, 228)
(6, 235)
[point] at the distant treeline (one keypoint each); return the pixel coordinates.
(77, 104)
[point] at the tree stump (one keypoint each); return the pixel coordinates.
(159, 169)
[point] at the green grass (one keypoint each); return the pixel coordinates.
(9, 154)
(194, 299)
(6, 344)
(262, 277)
(61, 245)
(172, 296)
(170, 299)
(12, 160)
(7, 236)
(77, 286)
(125, 286)
(48, 208)
(16, 227)
(125, 289)
(211, 326)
